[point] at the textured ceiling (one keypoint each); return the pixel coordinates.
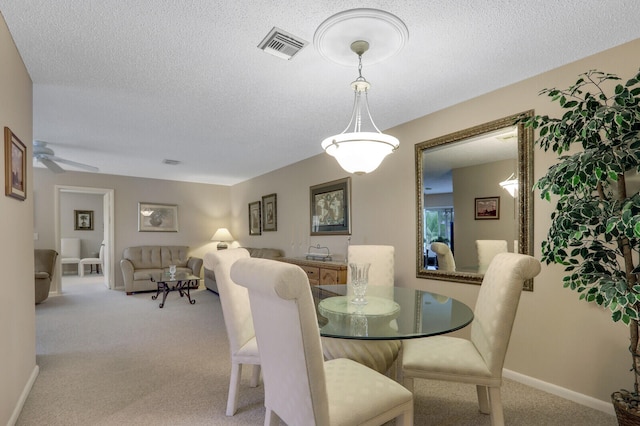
(122, 85)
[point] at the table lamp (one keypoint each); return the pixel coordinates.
(222, 235)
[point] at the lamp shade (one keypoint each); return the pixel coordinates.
(222, 235)
(360, 152)
(510, 185)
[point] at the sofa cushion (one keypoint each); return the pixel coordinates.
(143, 257)
(174, 255)
(145, 274)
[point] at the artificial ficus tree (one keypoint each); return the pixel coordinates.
(595, 227)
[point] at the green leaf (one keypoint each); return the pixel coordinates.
(616, 316)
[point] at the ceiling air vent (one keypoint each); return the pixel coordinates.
(281, 44)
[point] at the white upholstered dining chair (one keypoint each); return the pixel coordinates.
(487, 249)
(480, 359)
(70, 252)
(97, 261)
(446, 262)
(300, 387)
(377, 354)
(238, 322)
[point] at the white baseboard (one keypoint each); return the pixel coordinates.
(23, 396)
(576, 397)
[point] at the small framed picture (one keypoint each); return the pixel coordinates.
(83, 220)
(331, 208)
(270, 214)
(255, 218)
(154, 217)
(15, 166)
(487, 208)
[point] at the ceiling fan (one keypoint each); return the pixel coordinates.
(46, 156)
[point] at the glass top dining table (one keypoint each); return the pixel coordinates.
(390, 313)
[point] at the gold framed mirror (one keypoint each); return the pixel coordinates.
(465, 193)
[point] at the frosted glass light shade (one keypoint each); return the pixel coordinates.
(222, 235)
(360, 152)
(510, 185)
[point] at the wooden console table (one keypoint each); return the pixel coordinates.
(320, 272)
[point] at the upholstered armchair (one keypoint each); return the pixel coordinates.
(44, 263)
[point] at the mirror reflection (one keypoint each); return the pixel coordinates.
(470, 199)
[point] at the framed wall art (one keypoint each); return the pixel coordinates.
(330, 208)
(270, 212)
(83, 220)
(487, 208)
(255, 218)
(15, 166)
(154, 217)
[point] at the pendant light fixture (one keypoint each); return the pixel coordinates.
(510, 184)
(361, 146)
(360, 151)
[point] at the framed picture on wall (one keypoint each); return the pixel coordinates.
(255, 218)
(154, 217)
(270, 214)
(487, 208)
(15, 166)
(330, 208)
(83, 220)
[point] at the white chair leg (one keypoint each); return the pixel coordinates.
(497, 416)
(407, 382)
(483, 399)
(81, 270)
(255, 376)
(406, 418)
(270, 418)
(234, 384)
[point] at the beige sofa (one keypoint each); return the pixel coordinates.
(139, 262)
(209, 276)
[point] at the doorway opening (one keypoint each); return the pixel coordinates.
(108, 267)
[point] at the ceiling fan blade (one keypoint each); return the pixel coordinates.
(78, 165)
(51, 165)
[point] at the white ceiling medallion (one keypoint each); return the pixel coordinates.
(385, 33)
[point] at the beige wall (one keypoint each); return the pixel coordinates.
(556, 338)
(474, 182)
(17, 318)
(201, 210)
(90, 240)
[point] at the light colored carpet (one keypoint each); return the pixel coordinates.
(110, 359)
